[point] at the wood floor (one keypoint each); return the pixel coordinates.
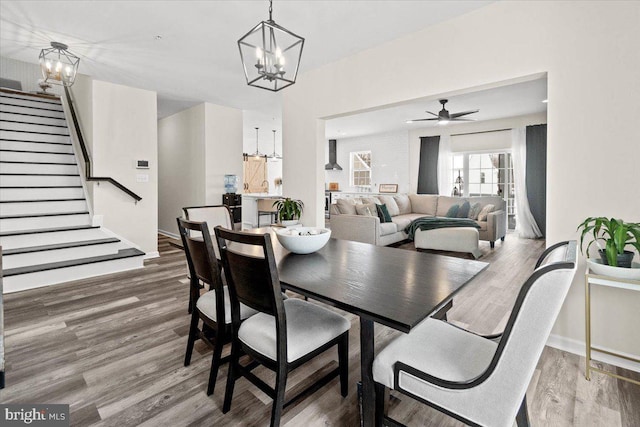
(112, 347)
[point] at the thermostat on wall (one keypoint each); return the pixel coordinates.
(142, 164)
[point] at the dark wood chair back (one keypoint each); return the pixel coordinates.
(251, 271)
(201, 258)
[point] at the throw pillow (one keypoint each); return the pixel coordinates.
(453, 211)
(463, 212)
(474, 211)
(346, 206)
(368, 209)
(392, 206)
(403, 202)
(383, 213)
(482, 216)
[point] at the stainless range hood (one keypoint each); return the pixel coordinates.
(333, 157)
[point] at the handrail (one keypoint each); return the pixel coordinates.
(85, 153)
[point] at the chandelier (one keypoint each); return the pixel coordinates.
(58, 65)
(276, 52)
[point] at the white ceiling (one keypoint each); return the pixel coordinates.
(197, 57)
(506, 101)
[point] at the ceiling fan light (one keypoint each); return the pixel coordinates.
(443, 122)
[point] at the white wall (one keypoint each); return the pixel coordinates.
(389, 160)
(125, 129)
(591, 54)
(223, 149)
(181, 165)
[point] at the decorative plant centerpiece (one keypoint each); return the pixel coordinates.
(289, 210)
(617, 235)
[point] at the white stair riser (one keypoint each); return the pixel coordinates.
(14, 224)
(28, 240)
(37, 157)
(22, 110)
(35, 146)
(37, 168)
(53, 99)
(35, 280)
(31, 180)
(28, 103)
(20, 208)
(21, 136)
(33, 118)
(40, 193)
(34, 128)
(57, 255)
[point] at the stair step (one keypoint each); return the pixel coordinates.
(6, 142)
(42, 129)
(38, 119)
(26, 122)
(8, 134)
(10, 129)
(122, 253)
(35, 193)
(27, 103)
(34, 152)
(52, 100)
(19, 109)
(47, 230)
(41, 186)
(38, 168)
(22, 162)
(42, 200)
(43, 215)
(27, 180)
(57, 246)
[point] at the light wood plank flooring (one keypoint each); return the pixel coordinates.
(112, 347)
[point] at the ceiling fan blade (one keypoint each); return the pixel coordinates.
(463, 113)
(433, 114)
(458, 119)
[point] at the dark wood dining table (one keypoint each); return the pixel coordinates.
(394, 287)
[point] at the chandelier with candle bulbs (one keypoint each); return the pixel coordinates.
(270, 55)
(58, 65)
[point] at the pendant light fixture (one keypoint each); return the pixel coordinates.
(258, 153)
(274, 155)
(270, 55)
(58, 65)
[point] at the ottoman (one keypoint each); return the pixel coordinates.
(455, 239)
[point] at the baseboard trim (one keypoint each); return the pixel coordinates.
(150, 255)
(169, 234)
(571, 345)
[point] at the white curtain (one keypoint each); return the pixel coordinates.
(445, 183)
(525, 223)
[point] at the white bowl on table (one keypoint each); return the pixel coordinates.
(303, 240)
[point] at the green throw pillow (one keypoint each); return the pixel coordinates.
(453, 211)
(463, 212)
(383, 213)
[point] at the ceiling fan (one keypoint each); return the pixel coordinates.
(443, 117)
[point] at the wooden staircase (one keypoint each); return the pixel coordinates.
(46, 230)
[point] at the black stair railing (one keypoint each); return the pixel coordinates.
(85, 153)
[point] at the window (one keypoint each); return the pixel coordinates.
(486, 174)
(360, 168)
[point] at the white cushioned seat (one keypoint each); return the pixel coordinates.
(387, 228)
(309, 326)
(403, 220)
(207, 306)
(437, 348)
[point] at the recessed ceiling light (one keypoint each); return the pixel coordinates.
(157, 38)
(544, 101)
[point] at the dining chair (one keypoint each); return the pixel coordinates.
(479, 380)
(213, 307)
(213, 215)
(285, 333)
(265, 207)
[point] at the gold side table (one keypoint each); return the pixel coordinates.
(595, 279)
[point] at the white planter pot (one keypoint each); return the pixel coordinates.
(596, 266)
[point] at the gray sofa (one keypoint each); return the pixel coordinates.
(347, 224)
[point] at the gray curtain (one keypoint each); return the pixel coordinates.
(428, 168)
(537, 174)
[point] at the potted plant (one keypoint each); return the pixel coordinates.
(617, 236)
(289, 210)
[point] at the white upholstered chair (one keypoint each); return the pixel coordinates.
(479, 380)
(286, 333)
